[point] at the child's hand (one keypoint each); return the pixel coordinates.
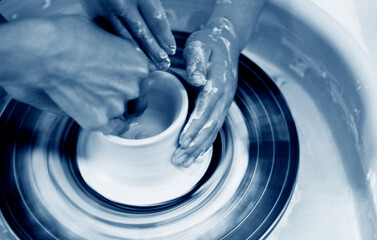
(141, 20)
(211, 63)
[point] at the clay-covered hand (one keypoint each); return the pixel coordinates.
(142, 20)
(211, 57)
(69, 65)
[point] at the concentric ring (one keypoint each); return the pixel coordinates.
(242, 196)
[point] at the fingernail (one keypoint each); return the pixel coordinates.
(178, 154)
(198, 78)
(180, 160)
(193, 143)
(165, 63)
(201, 157)
(172, 49)
(186, 143)
(188, 162)
(163, 55)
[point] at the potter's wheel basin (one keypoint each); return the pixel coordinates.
(315, 69)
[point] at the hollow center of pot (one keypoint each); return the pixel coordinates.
(163, 108)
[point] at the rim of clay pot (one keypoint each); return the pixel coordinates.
(175, 126)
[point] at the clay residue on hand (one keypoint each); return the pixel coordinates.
(47, 4)
(209, 88)
(224, 77)
(140, 31)
(165, 64)
(159, 15)
(227, 46)
(221, 24)
(196, 62)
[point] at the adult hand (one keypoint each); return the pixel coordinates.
(211, 57)
(70, 65)
(142, 20)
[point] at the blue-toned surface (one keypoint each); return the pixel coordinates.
(266, 162)
(320, 71)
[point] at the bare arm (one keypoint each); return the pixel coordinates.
(242, 15)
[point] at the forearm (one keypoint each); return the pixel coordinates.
(239, 17)
(22, 45)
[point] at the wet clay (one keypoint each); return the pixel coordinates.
(161, 112)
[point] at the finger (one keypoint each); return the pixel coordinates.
(185, 157)
(116, 126)
(137, 106)
(204, 106)
(196, 56)
(122, 31)
(155, 17)
(206, 136)
(184, 154)
(198, 155)
(147, 41)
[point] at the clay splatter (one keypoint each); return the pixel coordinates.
(221, 23)
(227, 45)
(208, 88)
(196, 47)
(47, 4)
(159, 15)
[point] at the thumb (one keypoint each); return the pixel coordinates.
(137, 106)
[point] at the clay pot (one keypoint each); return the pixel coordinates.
(136, 168)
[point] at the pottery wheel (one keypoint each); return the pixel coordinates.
(241, 194)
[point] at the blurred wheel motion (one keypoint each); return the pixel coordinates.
(242, 195)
